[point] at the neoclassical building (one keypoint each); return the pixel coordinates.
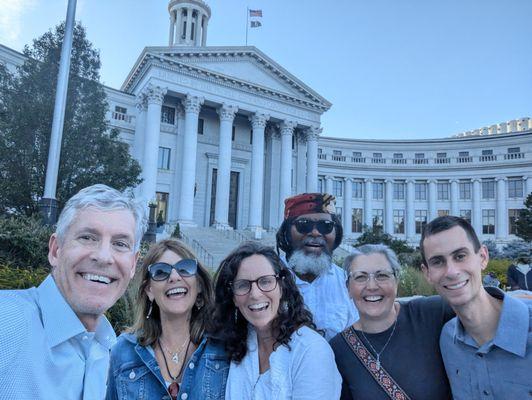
(225, 134)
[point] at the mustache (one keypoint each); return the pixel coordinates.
(314, 241)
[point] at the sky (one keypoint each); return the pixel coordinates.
(393, 69)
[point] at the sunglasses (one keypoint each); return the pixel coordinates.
(305, 226)
(161, 271)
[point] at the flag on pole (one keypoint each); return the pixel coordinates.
(255, 24)
(255, 13)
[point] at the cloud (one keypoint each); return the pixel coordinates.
(10, 18)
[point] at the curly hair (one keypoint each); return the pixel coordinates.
(149, 330)
(234, 331)
(283, 236)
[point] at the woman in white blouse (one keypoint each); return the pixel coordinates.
(269, 336)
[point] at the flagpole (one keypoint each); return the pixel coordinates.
(247, 24)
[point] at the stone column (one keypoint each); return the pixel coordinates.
(410, 218)
(258, 123)
(433, 213)
(172, 29)
(301, 168)
(368, 190)
(197, 39)
(454, 198)
(528, 186)
(275, 213)
(221, 212)
(173, 206)
(501, 229)
(204, 33)
(312, 159)
(188, 34)
(287, 130)
(154, 98)
(140, 128)
(348, 207)
(178, 26)
(388, 207)
(476, 211)
(188, 171)
(328, 184)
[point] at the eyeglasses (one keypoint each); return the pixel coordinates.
(305, 226)
(265, 283)
(161, 271)
(361, 278)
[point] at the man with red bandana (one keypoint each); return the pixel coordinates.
(310, 232)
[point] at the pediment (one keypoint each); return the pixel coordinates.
(246, 66)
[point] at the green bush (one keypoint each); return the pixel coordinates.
(499, 268)
(12, 277)
(24, 242)
(412, 282)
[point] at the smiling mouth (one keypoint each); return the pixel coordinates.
(456, 286)
(373, 299)
(258, 307)
(97, 278)
(177, 292)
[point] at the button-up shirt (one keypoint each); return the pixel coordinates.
(45, 350)
(328, 300)
(500, 368)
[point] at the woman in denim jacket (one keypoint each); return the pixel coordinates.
(166, 354)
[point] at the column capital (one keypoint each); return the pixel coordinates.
(368, 180)
(140, 102)
(431, 181)
(501, 178)
(227, 112)
(301, 137)
(410, 181)
(313, 132)
(154, 94)
(193, 103)
(388, 181)
(348, 179)
(287, 127)
(476, 180)
(272, 130)
(328, 177)
(259, 120)
(453, 180)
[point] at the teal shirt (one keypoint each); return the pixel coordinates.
(46, 352)
(500, 368)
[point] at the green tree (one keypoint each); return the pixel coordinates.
(375, 235)
(90, 153)
(524, 222)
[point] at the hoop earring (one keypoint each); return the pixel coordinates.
(150, 310)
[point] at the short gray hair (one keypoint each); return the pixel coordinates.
(368, 249)
(104, 198)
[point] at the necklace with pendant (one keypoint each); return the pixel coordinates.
(173, 389)
(175, 355)
(378, 353)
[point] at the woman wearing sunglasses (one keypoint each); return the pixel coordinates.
(393, 350)
(166, 353)
(270, 338)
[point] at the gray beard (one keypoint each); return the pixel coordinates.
(302, 263)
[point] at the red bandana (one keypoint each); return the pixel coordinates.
(308, 203)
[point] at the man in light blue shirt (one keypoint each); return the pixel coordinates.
(308, 235)
(54, 339)
(487, 347)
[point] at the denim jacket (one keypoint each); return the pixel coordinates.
(135, 374)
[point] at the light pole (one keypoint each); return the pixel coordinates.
(48, 203)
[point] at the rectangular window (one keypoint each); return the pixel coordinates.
(164, 158)
(251, 136)
(463, 154)
(514, 150)
(488, 189)
(398, 156)
(320, 185)
(513, 216)
(337, 152)
(377, 218)
(487, 152)
(378, 190)
(420, 190)
(399, 190)
(377, 155)
(168, 115)
(337, 187)
(515, 187)
(358, 189)
(357, 154)
(488, 221)
(443, 190)
(233, 134)
(419, 156)
(339, 213)
(443, 213)
(161, 210)
(121, 110)
(356, 220)
(399, 221)
(465, 190)
(441, 155)
(466, 214)
(201, 125)
(421, 220)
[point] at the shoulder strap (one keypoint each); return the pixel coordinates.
(383, 378)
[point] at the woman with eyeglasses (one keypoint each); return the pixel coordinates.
(269, 336)
(166, 353)
(393, 350)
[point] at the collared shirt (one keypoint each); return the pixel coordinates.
(305, 371)
(328, 300)
(45, 350)
(499, 369)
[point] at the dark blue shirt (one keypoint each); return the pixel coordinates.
(135, 373)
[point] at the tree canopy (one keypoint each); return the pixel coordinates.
(524, 222)
(90, 152)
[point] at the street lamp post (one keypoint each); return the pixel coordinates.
(48, 203)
